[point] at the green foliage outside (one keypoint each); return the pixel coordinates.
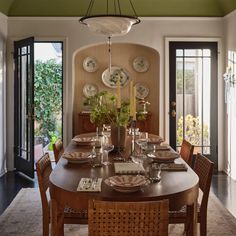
(48, 99)
(193, 131)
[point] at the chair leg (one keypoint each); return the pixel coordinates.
(203, 226)
(45, 225)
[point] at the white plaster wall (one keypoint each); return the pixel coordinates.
(151, 32)
(229, 162)
(3, 36)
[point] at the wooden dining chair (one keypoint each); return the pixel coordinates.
(128, 218)
(58, 149)
(204, 169)
(71, 216)
(186, 152)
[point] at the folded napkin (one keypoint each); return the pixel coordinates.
(128, 168)
(174, 167)
(90, 185)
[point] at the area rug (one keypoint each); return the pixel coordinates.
(24, 218)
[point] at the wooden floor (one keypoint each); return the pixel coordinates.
(11, 183)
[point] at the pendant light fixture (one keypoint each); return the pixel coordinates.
(115, 20)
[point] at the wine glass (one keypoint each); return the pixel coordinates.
(106, 149)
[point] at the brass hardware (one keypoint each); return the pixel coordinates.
(173, 113)
(173, 104)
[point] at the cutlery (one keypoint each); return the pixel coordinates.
(94, 182)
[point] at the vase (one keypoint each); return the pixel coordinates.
(118, 142)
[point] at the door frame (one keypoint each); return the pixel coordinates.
(165, 111)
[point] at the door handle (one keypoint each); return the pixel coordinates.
(173, 113)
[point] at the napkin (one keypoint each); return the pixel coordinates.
(128, 168)
(90, 185)
(174, 167)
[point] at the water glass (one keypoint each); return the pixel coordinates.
(154, 173)
(106, 149)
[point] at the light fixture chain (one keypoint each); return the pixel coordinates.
(119, 6)
(90, 7)
(133, 8)
(109, 52)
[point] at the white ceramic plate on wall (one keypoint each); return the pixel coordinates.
(142, 90)
(90, 64)
(141, 64)
(110, 79)
(90, 90)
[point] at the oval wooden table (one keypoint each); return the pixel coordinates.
(180, 187)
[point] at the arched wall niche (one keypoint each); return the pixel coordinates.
(123, 55)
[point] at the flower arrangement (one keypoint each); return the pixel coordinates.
(103, 107)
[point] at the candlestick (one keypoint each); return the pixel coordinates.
(118, 94)
(134, 103)
(131, 98)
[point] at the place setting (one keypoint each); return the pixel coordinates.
(77, 157)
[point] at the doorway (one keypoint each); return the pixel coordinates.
(38, 100)
(48, 89)
(193, 96)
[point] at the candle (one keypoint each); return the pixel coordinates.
(131, 98)
(134, 103)
(118, 93)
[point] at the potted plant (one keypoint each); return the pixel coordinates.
(103, 110)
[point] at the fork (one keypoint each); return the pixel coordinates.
(94, 182)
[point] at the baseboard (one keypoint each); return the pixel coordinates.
(3, 173)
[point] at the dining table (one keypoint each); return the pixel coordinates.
(179, 187)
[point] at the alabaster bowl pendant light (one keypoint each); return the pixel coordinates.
(110, 17)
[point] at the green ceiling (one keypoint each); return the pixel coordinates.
(143, 7)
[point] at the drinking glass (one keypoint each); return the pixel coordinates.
(106, 149)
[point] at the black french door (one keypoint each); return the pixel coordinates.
(24, 106)
(193, 96)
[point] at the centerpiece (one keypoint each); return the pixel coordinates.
(107, 108)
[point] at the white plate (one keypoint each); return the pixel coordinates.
(128, 181)
(90, 64)
(83, 140)
(111, 79)
(77, 157)
(142, 90)
(90, 90)
(140, 64)
(163, 156)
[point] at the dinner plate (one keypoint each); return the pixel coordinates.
(140, 64)
(127, 183)
(85, 141)
(142, 90)
(90, 64)
(77, 157)
(110, 79)
(90, 90)
(163, 156)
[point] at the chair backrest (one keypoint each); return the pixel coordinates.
(204, 169)
(44, 169)
(186, 152)
(58, 149)
(128, 218)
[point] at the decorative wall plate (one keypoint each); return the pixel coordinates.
(90, 90)
(111, 79)
(140, 64)
(90, 64)
(142, 90)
